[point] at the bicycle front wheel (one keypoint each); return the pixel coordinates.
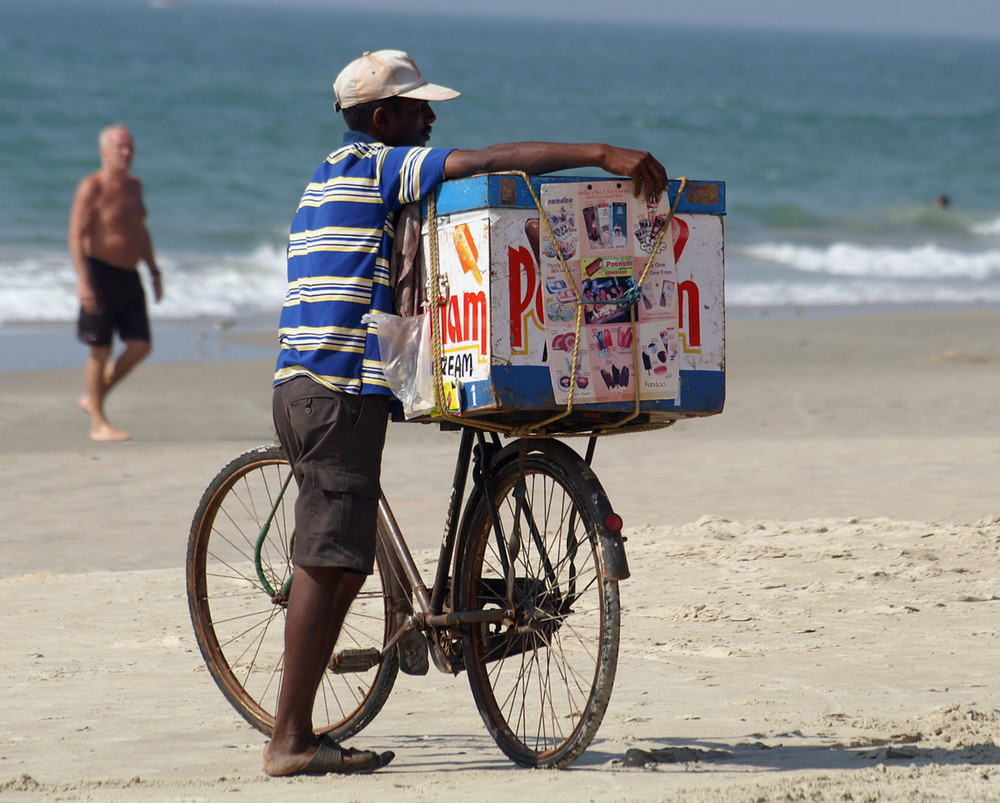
(543, 679)
(239, 573)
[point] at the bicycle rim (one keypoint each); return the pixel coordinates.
(237, 601)
(542, 683)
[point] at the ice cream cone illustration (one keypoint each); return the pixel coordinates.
(468, 254)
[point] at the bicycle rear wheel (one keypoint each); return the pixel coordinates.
(542, 681)
(238, 575)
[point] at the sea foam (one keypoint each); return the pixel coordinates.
(929, 261)
(42, 287)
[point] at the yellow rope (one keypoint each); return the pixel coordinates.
(538, 429)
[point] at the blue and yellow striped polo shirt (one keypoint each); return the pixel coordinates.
(338, 260)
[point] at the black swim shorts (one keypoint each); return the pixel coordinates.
(121, 306)
(334, 442)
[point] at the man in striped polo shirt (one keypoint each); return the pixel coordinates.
(331, 401)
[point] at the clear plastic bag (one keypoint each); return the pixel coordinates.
(405, 347)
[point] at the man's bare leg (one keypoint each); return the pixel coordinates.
(93, 402)
(317, 605)
(101, 375)
(135, 352)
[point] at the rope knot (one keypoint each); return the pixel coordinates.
(630, 298)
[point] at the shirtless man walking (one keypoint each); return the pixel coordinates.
(107, 239)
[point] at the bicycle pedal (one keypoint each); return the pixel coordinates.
(412, 649)
(354, 661)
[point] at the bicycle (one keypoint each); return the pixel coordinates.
(524, 598)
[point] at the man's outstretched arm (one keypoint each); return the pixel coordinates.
(648, 176)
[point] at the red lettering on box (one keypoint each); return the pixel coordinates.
(453, 322)
(680, 231)
(689, 301)
(525, 293)
(463, 321)
(474, 319)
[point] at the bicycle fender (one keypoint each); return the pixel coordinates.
(614, 565)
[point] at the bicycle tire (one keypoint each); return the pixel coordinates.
(543, 682)
(238, 611)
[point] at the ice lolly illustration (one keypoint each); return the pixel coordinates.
(468, 254)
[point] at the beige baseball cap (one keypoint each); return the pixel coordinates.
(384, 74)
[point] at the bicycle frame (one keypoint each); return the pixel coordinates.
(425, 608)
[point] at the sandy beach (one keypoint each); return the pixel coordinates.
(813, 611)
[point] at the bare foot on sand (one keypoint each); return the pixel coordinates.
(106, 432)
(102, 432)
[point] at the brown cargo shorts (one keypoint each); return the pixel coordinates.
(334, 442)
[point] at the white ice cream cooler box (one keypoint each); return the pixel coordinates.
(510, 282)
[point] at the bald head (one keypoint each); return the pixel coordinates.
(116, 148)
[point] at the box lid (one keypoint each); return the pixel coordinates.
(504, 190)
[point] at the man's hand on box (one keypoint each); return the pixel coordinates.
(649, 177)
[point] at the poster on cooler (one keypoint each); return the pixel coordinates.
(600, 247)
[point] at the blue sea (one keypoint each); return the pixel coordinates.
(834, 148)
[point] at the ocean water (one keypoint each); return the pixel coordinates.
(833, 147)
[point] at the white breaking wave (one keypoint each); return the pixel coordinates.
(989, 229)
(42, 287)
(848, 259)
(853, 293)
